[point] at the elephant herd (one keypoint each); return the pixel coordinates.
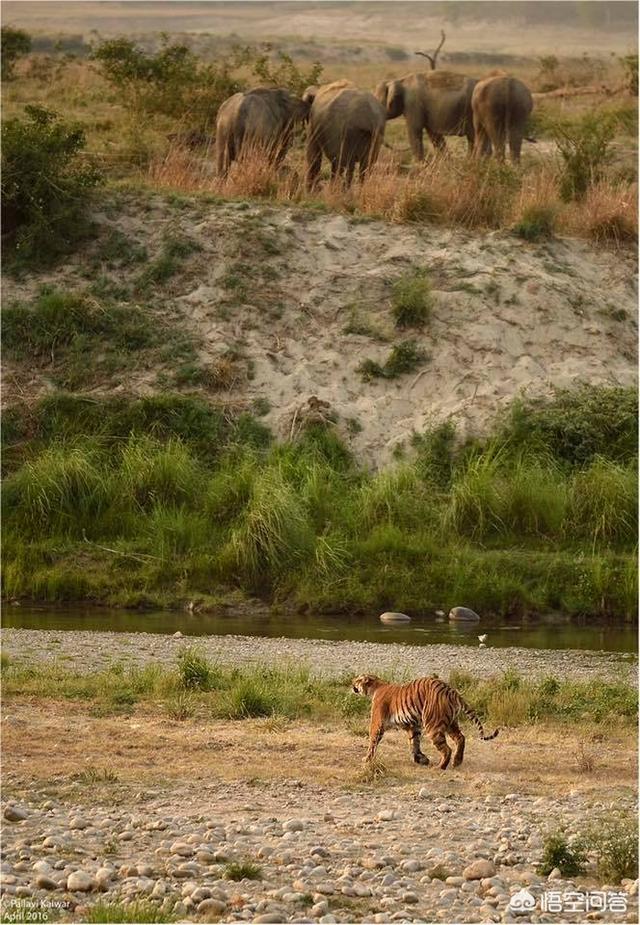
(346, 125)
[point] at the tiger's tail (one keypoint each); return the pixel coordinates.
(475, 719)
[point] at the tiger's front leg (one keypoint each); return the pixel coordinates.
(414, 741)
(376, 731)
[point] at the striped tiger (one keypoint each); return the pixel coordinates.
(426, 705)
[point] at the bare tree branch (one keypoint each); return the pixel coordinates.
(432, 59)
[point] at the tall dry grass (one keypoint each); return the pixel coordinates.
(450, 191)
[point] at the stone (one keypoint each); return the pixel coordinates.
(555, 874)
(80, 881)
(14, 813)
(463, 614)
(182, 848)
(320, 908)
(386, 815)
(213, 907)
(274, 917)
(44, 882)
(293, 825)
(391, 617)
(479, 870)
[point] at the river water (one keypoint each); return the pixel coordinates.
(551, 632)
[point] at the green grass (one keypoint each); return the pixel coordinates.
(403, 358)
(175, 250)
(163, 499)
(412, 300)
(291, 692)
(242, 870)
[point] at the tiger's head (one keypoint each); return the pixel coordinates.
(366, 684)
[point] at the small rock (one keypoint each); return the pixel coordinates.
(320, 908)
(181, 848)
(177, 635)
(555, 874)
(46, 883)
(463, 614)
(216, 907)
(80, 881)
(386, 815)
(274, 917)
(479, 870)
(293, 825)
(15, 813)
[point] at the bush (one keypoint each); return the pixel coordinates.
(412, 300)
(570, 860)
(584, 148)
(285, 72)
(404, 358)
(45, 184)
(576, 425)
(536, 223)
(195, 671)
(615, 845)
(171, 81)
(630, 65)
(14, 44)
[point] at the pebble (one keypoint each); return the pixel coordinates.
(46, 883)
(293, 825)
(14, 813)
(479, 870)
(80, 881)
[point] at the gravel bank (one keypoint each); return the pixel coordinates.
(322, 857)
(86, 650)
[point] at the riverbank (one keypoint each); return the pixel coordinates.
(85, 651)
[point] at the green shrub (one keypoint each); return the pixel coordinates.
(194, 669)
(283, 72)
(141, 911)
(614, 841)
(404, 358)
(536, 223)
(584, 147)
(576, 425)
(45, 185)
(412, 300)
(570, 860)
(172, 81)
(242, 870)
(15, 43)
(604, 503)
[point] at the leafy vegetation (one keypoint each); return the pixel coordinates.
(584, 147)
(412, 300)
(15, 43)
(536, 223)
(162, 498)
(614, 842)
(290, 691)
(569, 859)
(403, 358)
(46, 185)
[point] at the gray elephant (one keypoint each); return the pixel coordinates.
(438, 102)
(262, 118)
(346, 125)
(501, 108)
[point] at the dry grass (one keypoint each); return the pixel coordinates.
(449, 191)
(147, 746)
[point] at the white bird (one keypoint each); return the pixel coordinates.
(483, 638)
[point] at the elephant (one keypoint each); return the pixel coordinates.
(261, 118)
(436, 101)
(346, 125)
(501, 107)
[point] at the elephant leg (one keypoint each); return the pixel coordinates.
(313, 159)
(515, 144)
(481, 146)
(438, 142)
(224, 155)
(415, 140)
(367, 162)
(497, 137)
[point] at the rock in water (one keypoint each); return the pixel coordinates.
(463, 614)
(391, 617)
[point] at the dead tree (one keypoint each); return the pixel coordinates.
(432, 59)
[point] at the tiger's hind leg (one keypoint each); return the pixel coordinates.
(457, 736)
(439, 740)
(414, 741)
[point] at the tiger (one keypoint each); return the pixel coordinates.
(425, 705)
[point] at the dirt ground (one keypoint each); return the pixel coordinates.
(45, 743)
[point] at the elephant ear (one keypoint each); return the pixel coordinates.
(395, 99)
